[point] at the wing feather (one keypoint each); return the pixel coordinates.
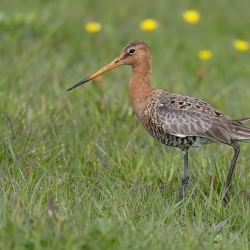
(189, 123)
(187, 116)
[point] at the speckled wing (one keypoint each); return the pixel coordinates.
(187, 116)
(180, 102)
(183, 123)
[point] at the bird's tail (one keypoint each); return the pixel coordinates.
(240, 132)
(243, 119)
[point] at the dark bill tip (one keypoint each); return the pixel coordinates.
(79, 83)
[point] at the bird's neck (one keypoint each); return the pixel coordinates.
(139, 85)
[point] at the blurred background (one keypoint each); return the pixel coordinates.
(45, 48)
(60, 143)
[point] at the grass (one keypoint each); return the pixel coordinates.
(77, 170)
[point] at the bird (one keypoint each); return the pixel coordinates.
(173, 119)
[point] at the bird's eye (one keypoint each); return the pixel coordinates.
(132, 51)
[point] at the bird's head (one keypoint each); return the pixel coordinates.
(134, 54)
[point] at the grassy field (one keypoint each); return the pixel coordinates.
(77, 170)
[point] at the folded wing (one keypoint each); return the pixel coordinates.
(190, 123)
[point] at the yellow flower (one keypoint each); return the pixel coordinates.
(205, 54)
(191, 16)
(92, 27)
(148, 25)
(241, 45)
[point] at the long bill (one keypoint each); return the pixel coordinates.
(114, 64)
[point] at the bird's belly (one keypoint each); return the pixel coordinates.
(180, 142)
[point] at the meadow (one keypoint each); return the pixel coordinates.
(77, 169)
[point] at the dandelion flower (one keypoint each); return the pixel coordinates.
(148, 25)
(92, 27)
(191, 16)
(205, 54)
(241, 45)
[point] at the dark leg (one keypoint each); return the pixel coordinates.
(185, 177)
(236, 147)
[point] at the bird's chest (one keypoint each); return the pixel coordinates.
(147, 114)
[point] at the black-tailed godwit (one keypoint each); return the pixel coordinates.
(175, 120)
